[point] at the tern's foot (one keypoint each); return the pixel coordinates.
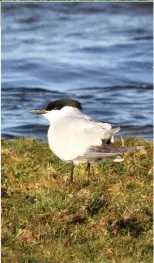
(86, 183)
(69, 183)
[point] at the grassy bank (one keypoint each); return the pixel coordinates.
(44, 219)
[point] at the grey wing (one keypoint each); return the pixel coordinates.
(106, 151)
(105, 129)
(92, 130)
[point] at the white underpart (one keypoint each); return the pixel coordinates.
(71, 133)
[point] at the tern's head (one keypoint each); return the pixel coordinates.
(56, 109)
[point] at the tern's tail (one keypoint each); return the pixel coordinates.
(109, 151)
(116, 151)
(107, 148)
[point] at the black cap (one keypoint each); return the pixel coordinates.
(59, 104)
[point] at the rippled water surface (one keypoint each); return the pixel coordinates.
(97, 53)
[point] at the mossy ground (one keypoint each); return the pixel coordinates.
(47, 220)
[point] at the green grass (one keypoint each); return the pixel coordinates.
(47, 220)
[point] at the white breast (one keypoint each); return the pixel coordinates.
(63, 145)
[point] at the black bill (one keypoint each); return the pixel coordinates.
(40, 111)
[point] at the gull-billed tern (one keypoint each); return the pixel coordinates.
(77, 138)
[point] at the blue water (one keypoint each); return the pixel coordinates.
(98, 53)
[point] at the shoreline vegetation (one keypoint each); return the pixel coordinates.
(47, 220)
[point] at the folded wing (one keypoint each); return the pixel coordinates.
(108, 151)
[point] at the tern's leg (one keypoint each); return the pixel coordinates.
(72, 170)
(88, 170)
